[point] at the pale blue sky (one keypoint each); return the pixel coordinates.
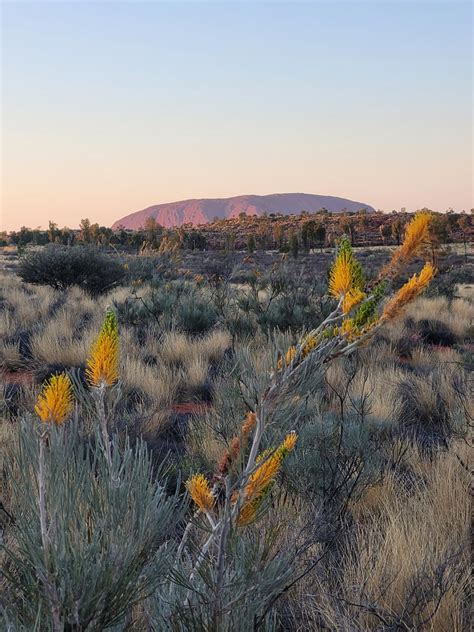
(108, 107)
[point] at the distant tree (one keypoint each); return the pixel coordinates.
(262, 237)
(363, 224)
(67, 236)
(463, 224)
(251, 243)
(229, 242)
(294, 244)
(278, 235)
(397, 230)
(385, 232)
(347, 227)
(308, 234)
(320, 235)
(195, 241)
(85, 231)
(437, 237)
(153, 232)
(52, 231)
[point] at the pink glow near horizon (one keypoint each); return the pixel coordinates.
(108, 108)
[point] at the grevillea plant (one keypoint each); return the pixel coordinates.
(235, 497)
(90, 522)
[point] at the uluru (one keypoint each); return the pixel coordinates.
(202, 211)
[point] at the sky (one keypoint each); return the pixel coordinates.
(110, 107)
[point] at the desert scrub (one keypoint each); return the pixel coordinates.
(171, 304)
(60, 267)
(250, 465)
(278, 465)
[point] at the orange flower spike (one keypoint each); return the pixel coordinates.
(416, 235)
(103, 363)
(55, 402)
(263, 477)
(249, 423)
(235, 445)
(247, 513)
(200, 491)
(289, 442)
(412, 288)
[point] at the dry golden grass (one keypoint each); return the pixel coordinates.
(213, 346)
(457, 315)
(10, 357)
(175, 349)
(60, 342)
(160, 384)
(413, 532)
(377, 383)
(196, 372)
(408, 542)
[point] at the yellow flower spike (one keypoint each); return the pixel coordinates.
(310, 343)
(290, 441)
(348, 329)
(340, 281)
(346, 272)
(247, 513)
(261, 480)
(408, 292)
(200, 491)
(351, 299)
(263, 476)
(55, 402)
(416, 236)
(103, 364)
(416, 233)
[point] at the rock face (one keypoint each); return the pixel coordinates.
(203, 211)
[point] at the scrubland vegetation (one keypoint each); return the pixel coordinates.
(220, 442)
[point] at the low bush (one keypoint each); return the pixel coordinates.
(61, 267)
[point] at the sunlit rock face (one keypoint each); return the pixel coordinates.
(203, 211)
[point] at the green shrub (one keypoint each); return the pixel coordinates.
(60, 267)
(195, 316)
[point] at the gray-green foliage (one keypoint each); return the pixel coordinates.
(171, 304)
(239, 599)
(108, 531)
(61, 267)
(337, 460)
